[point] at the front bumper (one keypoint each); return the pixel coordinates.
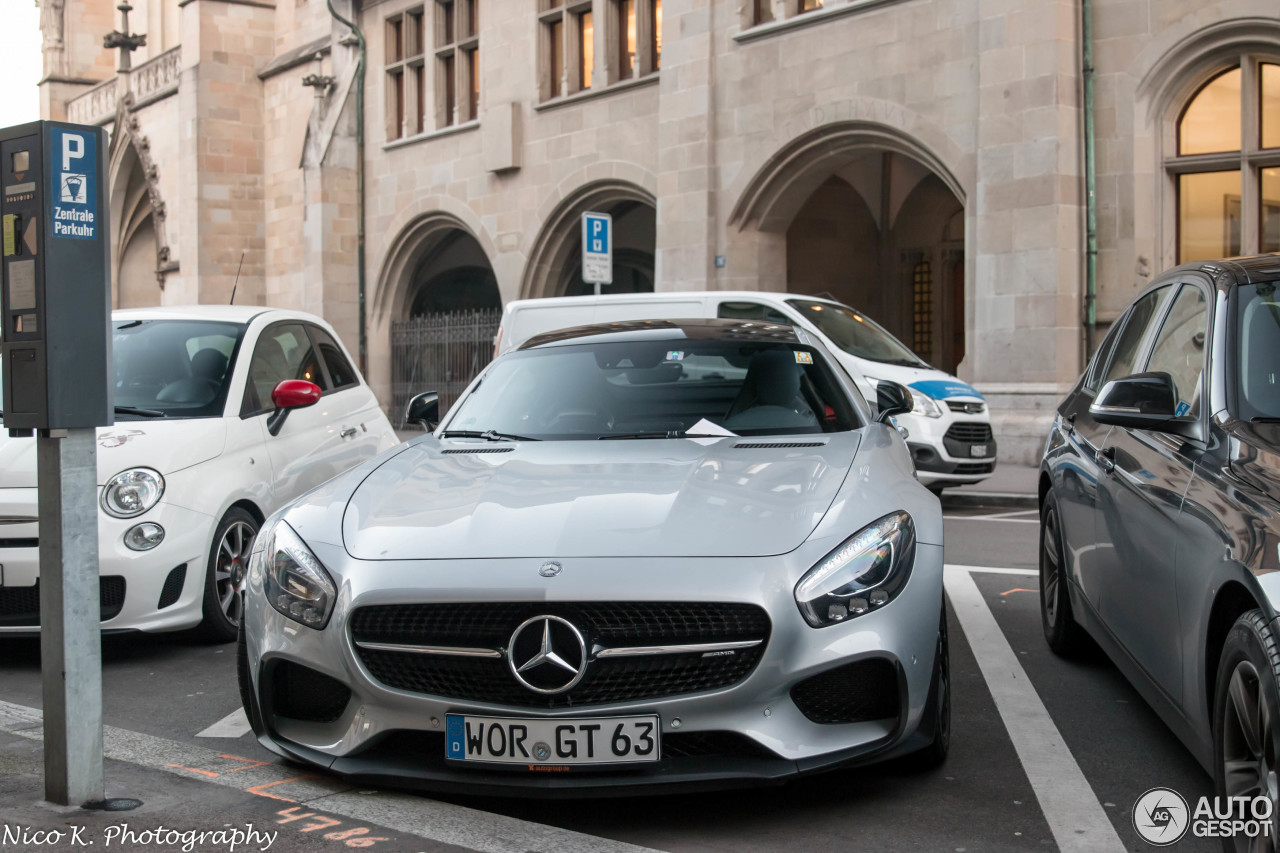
(396, 736)
(943, 449)
(135, 581)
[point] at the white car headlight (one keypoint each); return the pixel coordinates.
(866, 572)
(132, 492)
(923, 405)
(294, 581)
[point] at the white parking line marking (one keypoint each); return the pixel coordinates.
(235, 724)
(435, 821)
(998, 516)
(1074, 814)
(991, 570)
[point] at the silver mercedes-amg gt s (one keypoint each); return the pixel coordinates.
(633, 555)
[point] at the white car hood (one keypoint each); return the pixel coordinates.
(927, 380)
(164, 445)
(652, 498)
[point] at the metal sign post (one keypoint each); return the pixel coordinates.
(55, 300)
(597, 249)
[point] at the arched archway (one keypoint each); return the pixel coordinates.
(870, 217)
(136, 275)
(555, 264)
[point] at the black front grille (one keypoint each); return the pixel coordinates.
(301, 693)
(172, 587)
(33, 542)
(20, 605)
(609, 624)
(970, 433)
(968, 408)
(974, 468)
(853, 693)
(711, 745)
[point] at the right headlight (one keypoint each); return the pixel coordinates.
(294, 581)
(924, 406)
(132, 492)
(866, 572)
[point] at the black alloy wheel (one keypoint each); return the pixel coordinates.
(937, 708)
(225, 575)
(1246, 725)
(1060, 629)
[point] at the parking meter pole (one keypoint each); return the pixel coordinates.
(70, 610)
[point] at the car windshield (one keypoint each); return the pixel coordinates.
(177, 368)
(855, 333)
(656, 389)
(1258, 337)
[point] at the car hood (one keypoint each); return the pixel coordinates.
(654, 498)
(164, 445)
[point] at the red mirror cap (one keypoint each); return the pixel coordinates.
(295, 393)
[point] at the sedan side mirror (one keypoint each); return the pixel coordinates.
(289, 395)
(1140, 401)
(424, 409)
(891, 399)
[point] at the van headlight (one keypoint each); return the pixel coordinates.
(865, 573)
(293, 579)
(132, 492)
(924, 405)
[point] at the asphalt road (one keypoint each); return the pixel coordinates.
(169, 689)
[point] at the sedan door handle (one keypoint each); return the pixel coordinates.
(348, 432)
(1106, 459)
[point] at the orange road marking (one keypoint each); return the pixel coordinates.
(249, 762)
(211, 775)
(1007, 591)
(257, 789)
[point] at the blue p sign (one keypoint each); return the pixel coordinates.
(598, 235)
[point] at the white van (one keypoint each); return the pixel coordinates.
(949, 430)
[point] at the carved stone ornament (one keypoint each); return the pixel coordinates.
(128, 132)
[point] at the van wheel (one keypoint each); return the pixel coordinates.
(224, 575)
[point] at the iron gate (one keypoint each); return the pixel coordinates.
(439, 352)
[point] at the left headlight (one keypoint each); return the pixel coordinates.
(924, 406)
(294, 581)
(866, 572)
(132, 492)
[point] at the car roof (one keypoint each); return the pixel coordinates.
(671, 296)
(222, 313)
(667, 330)
(1244, 270)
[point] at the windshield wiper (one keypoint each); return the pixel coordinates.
(144, 413)
(489, 434)
(614, 436)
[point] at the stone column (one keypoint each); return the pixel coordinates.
(1026, 218)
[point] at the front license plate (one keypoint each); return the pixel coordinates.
(593, 740)
(977, 450)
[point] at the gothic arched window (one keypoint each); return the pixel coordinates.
(1227, 166)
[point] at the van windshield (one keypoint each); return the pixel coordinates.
(856, 333)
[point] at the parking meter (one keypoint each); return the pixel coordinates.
(55, 292)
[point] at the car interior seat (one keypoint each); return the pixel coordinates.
(770, 396)
(201, 387)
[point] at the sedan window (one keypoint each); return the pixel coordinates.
(657, 389)
(1179, 349)
(1135, 329)
(1258, 334)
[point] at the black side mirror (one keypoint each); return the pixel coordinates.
(891, 399)
(424, 409)
(1140, 401)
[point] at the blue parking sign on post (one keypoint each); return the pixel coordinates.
(597, 249)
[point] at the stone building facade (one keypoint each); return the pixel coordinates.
(920, 159)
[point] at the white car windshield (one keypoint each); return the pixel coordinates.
(172, 368)
(856, 333)
(656, 389)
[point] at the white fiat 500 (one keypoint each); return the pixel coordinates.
(223, 414)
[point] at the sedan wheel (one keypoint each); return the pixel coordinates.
(1060, 628)
(1246, 723)
(224, 582)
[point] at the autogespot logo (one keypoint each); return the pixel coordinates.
(1161, 817)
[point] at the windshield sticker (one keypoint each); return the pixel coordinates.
(804, 358)
(675, 355)
(1183, 408)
